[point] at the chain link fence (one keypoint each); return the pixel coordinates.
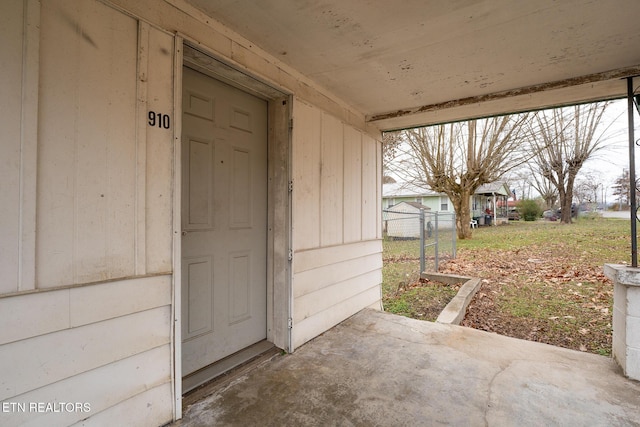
(427, 236)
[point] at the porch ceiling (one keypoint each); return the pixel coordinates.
(419, 62)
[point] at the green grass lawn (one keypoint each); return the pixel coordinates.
(597, 241)
(401, 265)
(542, 280)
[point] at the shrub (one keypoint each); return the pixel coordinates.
(529, 210)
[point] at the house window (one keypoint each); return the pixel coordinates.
(444, 203)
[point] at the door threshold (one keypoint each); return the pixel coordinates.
(202, 377)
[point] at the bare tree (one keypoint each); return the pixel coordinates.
(390, 146)
(545, 188)
(520, 183)
(565, 138)
(457, 158)
(586, 188)
(582, 192)
(622, 188)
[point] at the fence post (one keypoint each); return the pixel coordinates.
(437, 228)
(453, 234)
(422, 242)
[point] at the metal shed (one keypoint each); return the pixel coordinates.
(402, 221)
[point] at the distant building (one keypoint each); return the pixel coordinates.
(489, 204)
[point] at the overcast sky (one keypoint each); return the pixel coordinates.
(609, 163)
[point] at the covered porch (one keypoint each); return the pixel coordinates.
(489, 204)
(377, 368)
(97, 229)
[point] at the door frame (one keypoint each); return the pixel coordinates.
(191, 53)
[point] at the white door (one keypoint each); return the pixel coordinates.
(224, 220)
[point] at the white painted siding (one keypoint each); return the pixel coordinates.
(151, 407)
(11, 18)
(331, 181)
(18, 116)
(306, 176)
(336, 221)
(102, 388)
(85, 308)
(104, 175)
(333, 283)
(155, 204)
(87, 158)
(337, 182)
(352, 215)
(87, 343)
(86, 203)
(371, 188)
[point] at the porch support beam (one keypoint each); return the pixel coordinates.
(504, 95)
(632, 173)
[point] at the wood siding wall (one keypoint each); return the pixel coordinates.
(85, 214)
(107, 345)
(18, 115)
(337, 258)
(100, 202)
(86, 204)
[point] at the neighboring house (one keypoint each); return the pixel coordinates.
(185, 183)
(488, 204)
(394, 193)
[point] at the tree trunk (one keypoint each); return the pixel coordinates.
(567, 201)
(549, 201)
(463, 215)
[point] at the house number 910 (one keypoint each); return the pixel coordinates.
(160, 120)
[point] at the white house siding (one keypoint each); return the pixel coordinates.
(336, 231)
(87, 161)
(18, 115)
(102, 344)
(86, 242)
(97, 191)
(87, 205)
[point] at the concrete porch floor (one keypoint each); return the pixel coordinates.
(381, 369)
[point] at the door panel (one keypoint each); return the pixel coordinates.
(224, 211)
(199, 296)
(239, 287)
(241, 196)
(199, 185)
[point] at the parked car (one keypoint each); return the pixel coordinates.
(574, 211)
(513, 215)
(550, 215)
